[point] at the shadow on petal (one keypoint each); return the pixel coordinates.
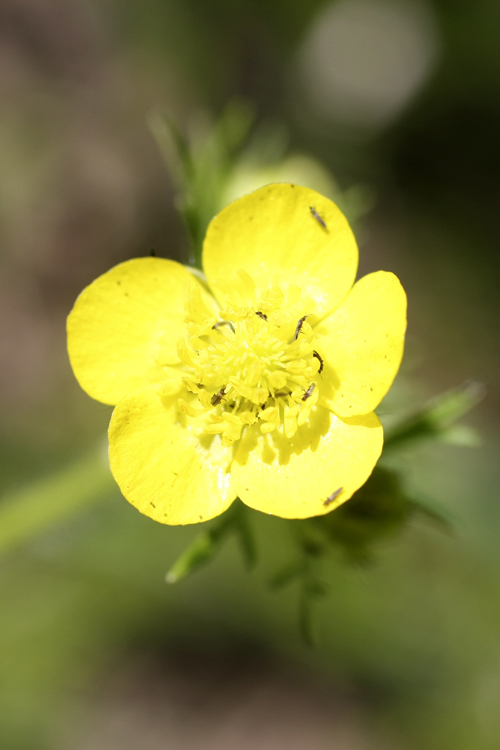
(330, 381)
(275, 447)
(362, 420)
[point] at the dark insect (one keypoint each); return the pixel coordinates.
(153, 252)
(320, 360)
(217, 397)
(299, 326)
(332, 497)
(261, 315)
(318, 218)
(224, 323)
(308, 392)
(281, 394)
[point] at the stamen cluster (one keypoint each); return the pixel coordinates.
(255, 363)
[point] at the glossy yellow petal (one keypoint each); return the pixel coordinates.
(124, 327)
(163, 462)
(361, 344)
(301, 477)
(282, 235)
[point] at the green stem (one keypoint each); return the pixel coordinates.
(29, 511)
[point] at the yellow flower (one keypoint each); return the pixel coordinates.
(259, 384)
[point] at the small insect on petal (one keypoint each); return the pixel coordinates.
(299, 326)
(320, 360)
(217, 397)
(332, 497)
(318, 218)
(309, 392)
(261, 314)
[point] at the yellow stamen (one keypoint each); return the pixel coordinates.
(249, 366)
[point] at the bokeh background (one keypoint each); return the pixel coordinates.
(393, 107)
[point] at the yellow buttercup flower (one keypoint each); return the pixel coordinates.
(260, 383)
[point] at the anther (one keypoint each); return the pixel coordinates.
(308, 392)
(318, 218)
(320, 360)
(332, 497)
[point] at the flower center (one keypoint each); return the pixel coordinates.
(254, 363)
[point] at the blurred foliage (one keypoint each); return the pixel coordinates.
(415, 636)
(29, 511)
(380, 508)
(201, 165)
(216, 162)
(437, 419)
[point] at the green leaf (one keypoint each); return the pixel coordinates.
(436, 418)
(433, 511)
(173, 146)
(378, 509)
(201, 163)
(461, 434)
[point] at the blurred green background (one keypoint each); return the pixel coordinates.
(392, 107)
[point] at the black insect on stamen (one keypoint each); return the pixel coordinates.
(332, 497)
(261, 314)
(299, 326)
(217, 397)
(320, 360)
(223, 323)
(309, 392)
(318, 218)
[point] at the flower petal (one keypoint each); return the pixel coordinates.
(281, 235)
(124, 327)
(362, 344)
(163, 462)
(300, 477)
